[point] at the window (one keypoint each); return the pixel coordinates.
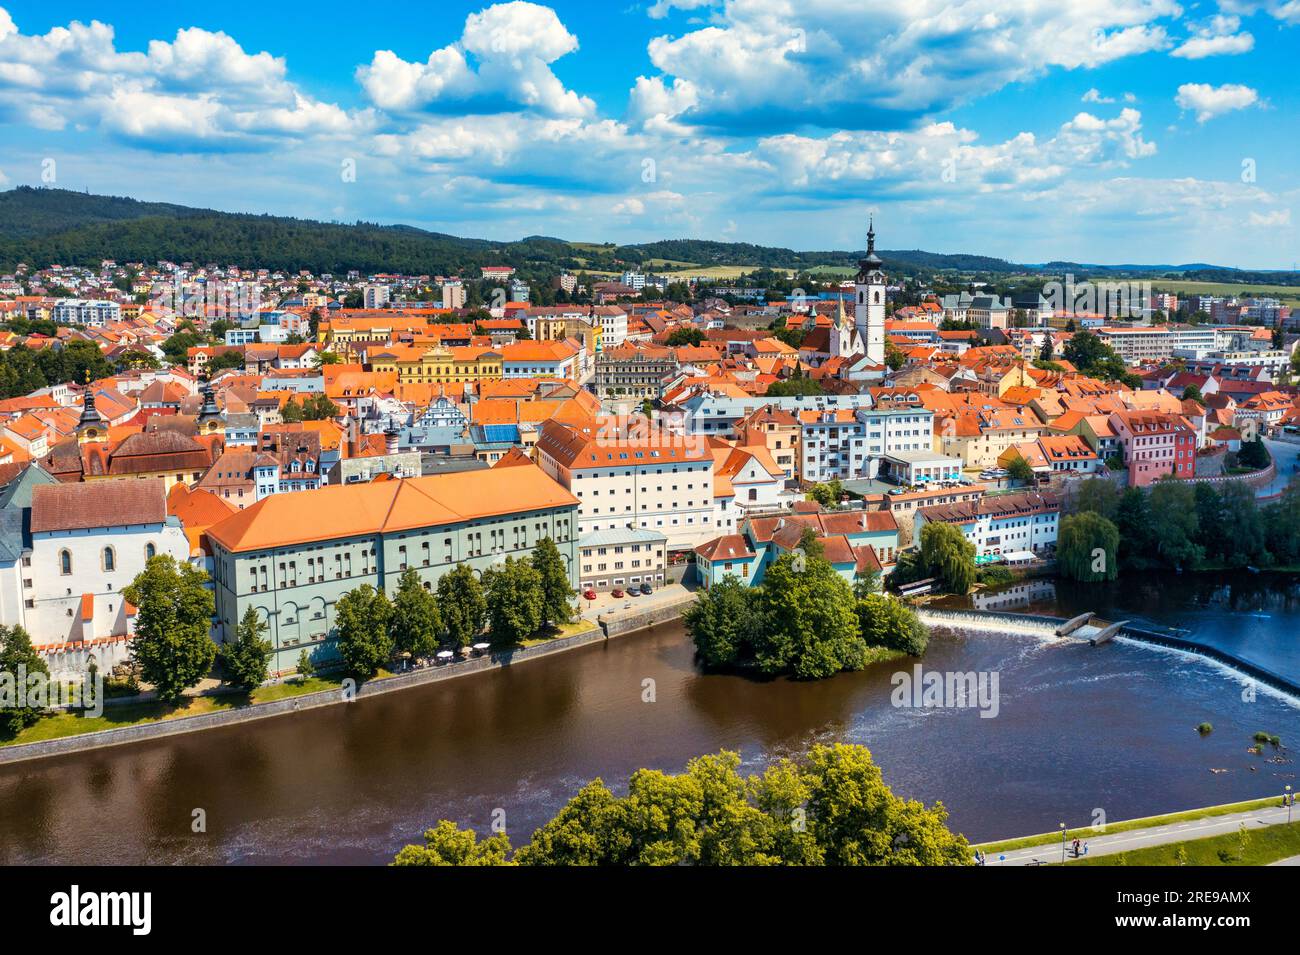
(109, 559)
(149, 550)
(65, 562)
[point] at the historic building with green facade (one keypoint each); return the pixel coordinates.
(291, 556)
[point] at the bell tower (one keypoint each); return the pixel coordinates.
(869, 300)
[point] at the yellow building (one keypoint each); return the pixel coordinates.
(438, 365)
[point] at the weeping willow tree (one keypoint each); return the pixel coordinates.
(949, 556)
(1087, 547)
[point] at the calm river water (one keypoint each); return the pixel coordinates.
(1079, 729)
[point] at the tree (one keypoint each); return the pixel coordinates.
(514, 600)
(810, 626)
(722, 623)
(362, 617)
(463, 605)
(1019, 470)
(827, 494)
(798, 385)
(415, 624)
(306, 669)
(1136, 533)
(172, 644)
(886, 621)
(684, 336)
(291, 411)
(557, 595)
(710, 815)
(949, 556)
(1253, 454)
(445, 844)
(318, 407)
(1087, 547)
(1193, 393)
(246, 660)
(1097, 495)
(18, 660)
(227, 359)
(1173, 516)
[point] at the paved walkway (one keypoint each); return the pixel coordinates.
(1285, 454)
(1152, 836)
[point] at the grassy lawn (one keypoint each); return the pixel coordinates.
(568, 630)
(1087, 832)
(1262, 846)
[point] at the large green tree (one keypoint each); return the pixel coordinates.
(1173, 517)
(810, 625)
(885, 621)
(514, 600)
(18, 660)
(830, 807)
(172, 644)
(723, 621)
(1087, 547)
(362, 617)
(557, 595)
(415, 623)
(463, 605)
(246, 659)
(948, 556)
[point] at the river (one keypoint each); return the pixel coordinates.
(1079, 730)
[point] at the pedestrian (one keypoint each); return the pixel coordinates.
(1085, 848)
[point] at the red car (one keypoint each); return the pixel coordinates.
(616, 592)
(589, 594)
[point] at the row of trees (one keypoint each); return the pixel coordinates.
(830, 808)
(512, 601)
(1175, 525)
(804, 620)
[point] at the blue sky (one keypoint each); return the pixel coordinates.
(1094, 130)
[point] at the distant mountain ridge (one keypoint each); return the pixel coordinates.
(43, 227)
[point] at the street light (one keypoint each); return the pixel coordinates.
(1063, 842)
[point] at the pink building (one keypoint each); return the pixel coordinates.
(1155, 445)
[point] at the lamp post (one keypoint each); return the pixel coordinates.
(1063, 842)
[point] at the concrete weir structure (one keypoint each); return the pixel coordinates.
(1051, 628)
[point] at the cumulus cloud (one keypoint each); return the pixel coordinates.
(1210, 101)
(201, 90)
(501, 62)
(1217, 36)
(1274, 218)
(930, 159)
(771, 63)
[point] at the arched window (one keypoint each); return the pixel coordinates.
(110, 559)
(149, 550)
(65, 562)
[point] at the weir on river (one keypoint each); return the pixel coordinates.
(1099, 632)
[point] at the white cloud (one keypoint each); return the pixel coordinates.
(1209, 101)
(661, 8)
(1275, 218)
(199, 91)
(1094, 96)
(1216, 36)
(775, 64)
(511, 45)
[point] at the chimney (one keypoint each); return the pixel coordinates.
(391, 435)
(353, 428)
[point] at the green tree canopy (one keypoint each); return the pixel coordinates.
(463, 605)
(362, 617)
(1087, 547)
(515, 600)
(172, 644)
(557, 595)
(948, 556)
(246, 659)
(415, 624)
(18, 659)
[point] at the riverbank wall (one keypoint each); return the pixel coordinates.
(256, 711)
(620, 622)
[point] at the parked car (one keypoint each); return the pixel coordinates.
(634, 590)
(589, 594)
(646, 590)
(616, 592)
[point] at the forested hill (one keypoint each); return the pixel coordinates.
(44, 227)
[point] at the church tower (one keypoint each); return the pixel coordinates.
(91, 426)
(869, 301)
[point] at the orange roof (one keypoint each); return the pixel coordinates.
(355, 510)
